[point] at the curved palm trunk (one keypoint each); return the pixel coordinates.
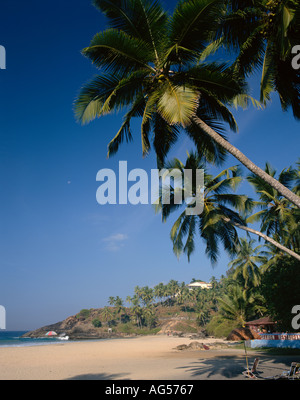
(288, 194)
(265, 237)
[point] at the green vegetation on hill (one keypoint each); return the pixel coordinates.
(239, 297)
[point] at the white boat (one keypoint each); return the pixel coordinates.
(63, 337)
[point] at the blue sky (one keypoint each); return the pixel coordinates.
(60, 250)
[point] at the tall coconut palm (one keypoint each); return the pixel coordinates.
(138, 292)
(107, 314)
(245, 267)
(264, 33)
(213, 292)
(159, 291)
(221, 213)
(173, 288)
(238, 304)
(180, 296)
(111, 300)
(147, 295)
(202, 314)
(118, 303)
(213, 224)
(184, 296)
(137, 312)
(278, 218)
(149, 316)
(149, 67)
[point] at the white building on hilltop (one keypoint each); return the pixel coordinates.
(200, 284)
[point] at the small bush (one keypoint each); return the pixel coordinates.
(97, 323)
(219, 327)
(83, 314)
(127, 328)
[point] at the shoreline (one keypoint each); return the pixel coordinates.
(132, 358)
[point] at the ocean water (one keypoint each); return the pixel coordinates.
(14, 339)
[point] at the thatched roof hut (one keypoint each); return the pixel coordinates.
(262, 324)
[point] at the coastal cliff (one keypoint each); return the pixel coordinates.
(75, 328)
(82, 326)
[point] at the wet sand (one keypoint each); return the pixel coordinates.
(139, 358)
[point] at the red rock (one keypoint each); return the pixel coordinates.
(243, 334)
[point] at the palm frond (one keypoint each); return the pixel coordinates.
(141, 19)
(208, 148)
(93, 95)
(165, 136)
(251, 53)
(177, 103)
(244, 100)
(191, 26)
(216, 78)
(211, 240)
(268, 74)
(117, 52)
(216, 109)
(107, 93)
(189, 246)
(287, 83)
(211, 49)
(179, 234)
(146, 126)
(124, 132)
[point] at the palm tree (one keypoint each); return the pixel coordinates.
(147, 295)
(180, 296)
(185, 297)
(277, 216)
(217, 223)
(245, 267)
(235, 305)
(138, 292)
(264, 32)
(117, 302)
(149, 66)
(136, 309)
(149, 316)
(214, 291)
(172, 289)
(129, 299)
(106, 314)
(119, 306)
(159, 291)
(214, 282)
(203, 315)
(111, 300)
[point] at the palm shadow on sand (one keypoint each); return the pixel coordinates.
(223, 367)
(98, 377)
(228, 367)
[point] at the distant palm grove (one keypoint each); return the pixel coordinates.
(167, 69)
(250, 290)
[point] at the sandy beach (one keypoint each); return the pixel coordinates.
(139, 358)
